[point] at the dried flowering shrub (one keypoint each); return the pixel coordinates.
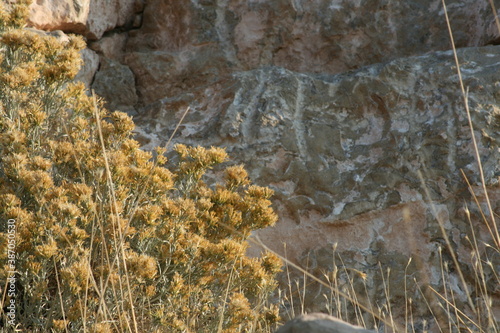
(108, 238)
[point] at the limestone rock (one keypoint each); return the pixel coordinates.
(319, 323)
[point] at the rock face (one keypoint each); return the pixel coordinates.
(319, 323)
(344, 154)
(174, 46)
(350, 110)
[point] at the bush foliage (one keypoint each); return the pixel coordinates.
(110, 237)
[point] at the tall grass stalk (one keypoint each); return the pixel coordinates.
(495, 235)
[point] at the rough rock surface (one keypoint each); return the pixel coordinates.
(185, 44)
(313, 36)
(117, 82)
(91, 18)
(319, 323)
(343, 153)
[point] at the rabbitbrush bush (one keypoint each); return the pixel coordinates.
(109, 238)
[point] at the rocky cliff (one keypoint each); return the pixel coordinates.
(350, 110)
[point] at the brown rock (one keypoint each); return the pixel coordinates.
(59, 15)
(174, 73)
(320, 323)
(311, 36)
(111, 46)
(90, 18)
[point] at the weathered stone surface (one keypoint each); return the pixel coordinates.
(115, 83)
(59, 15)
(319, 323)
(312, 36)
(163, 74)
(90, 18)
(326, 138)
(105, 15)
(186, 44)
(343, 153)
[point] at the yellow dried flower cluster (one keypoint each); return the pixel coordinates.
(111, 238)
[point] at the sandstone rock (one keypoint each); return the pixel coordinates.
(59, 15)
(319, 323)
(90, 18)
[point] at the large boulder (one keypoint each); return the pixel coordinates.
(344, 154)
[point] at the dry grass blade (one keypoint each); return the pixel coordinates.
(447, 240)
(289, 284)
(471, 127)
(259, 243)
(60, 294)
(455, 308)
(120, 243)
(483, 216)
(177, 127)
(497, 21)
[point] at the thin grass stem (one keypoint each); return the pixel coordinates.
(471, 127)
